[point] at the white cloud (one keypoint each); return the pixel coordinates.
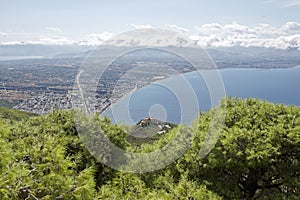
(283, 3)
(269, 1)
(44, 40)
(293, 3)
(141, 26)
(13, 43)
(3, 34)
(55, 40)
(150, 37)
(291, 26)
(261, 35)
(181, 29)
(208, 35)
(96, 38)
(54, 29)
(90, 39)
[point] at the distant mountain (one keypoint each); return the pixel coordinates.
(254, 57)
(258, 52)
(224, 57)
(41, 50)
(73, 55)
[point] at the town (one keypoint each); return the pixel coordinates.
(40, 85)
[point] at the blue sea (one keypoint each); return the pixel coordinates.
(179, 99)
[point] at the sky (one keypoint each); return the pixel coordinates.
(211, 22)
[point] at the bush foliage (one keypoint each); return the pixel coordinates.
(256, 157)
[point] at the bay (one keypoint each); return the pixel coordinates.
(158, 100)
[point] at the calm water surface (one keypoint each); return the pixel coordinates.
(159, 101)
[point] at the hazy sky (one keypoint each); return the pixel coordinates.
(31, 20)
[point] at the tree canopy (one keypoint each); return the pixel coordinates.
(256, 157)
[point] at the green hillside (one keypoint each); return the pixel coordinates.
(10, 114)
(6, 104)
(256, 157)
